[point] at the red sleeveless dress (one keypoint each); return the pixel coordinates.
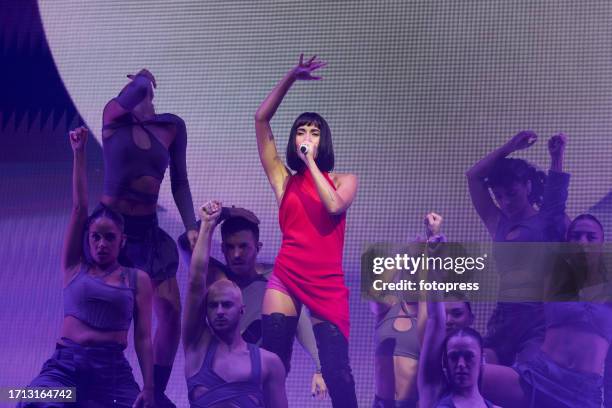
(309, 262)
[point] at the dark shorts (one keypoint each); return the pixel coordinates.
(515, 331)
(548, 385)
(101, 375)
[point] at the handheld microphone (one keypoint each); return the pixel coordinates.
(304, 148)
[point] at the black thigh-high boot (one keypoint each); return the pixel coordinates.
(278, 332)
(335, 367)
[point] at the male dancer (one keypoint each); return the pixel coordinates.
(220, 367)
(240, 246)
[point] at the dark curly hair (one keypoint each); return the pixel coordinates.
(507, 171)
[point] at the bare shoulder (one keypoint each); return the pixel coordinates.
(70, 272)
(268, 356)
(271, 363)
(142, 280)
(343, 178)
(142, 275)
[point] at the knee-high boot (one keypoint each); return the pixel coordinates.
(335, 366)
(278, 332)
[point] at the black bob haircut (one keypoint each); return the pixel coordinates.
(325, 155)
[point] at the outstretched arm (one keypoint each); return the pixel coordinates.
(481, 198)
(193, 323)
(432, 329)
(556, 188)
(181, 192)
(433, 246)
(73, 241)
(556, 149)
(431, 376)
(275, 170)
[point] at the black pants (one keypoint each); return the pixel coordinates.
(278, 334)
(101, 375)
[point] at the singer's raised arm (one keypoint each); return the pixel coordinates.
(275, 169)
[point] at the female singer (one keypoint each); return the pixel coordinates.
(312, 215)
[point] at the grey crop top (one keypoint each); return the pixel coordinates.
(518, 264)
(98, 304)
(392, 342)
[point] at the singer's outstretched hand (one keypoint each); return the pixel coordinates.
(303, 70)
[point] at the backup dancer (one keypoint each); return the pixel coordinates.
(101, 297)
(138, 146)
(529, 207)
(220, 367)
(398, 336)
(568, 369)
(240, 246)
